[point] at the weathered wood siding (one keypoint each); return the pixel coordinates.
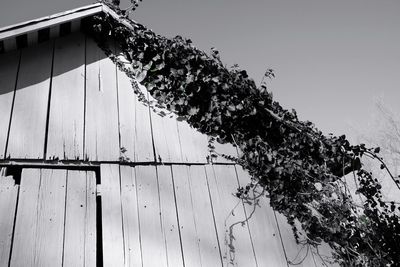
(8, 201)
(27, 132)
(54, 219)
(8, 76)
(66, 112)
(72, 103)
(160, 196)
(177, 215)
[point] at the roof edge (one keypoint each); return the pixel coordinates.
(36, 24)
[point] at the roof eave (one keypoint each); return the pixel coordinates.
(37, 24)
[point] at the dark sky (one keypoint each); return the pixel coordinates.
(333, 59)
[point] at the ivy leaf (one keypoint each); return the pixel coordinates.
(289, 158)
(160, 66)
(215, 79)
(318, 186)
(231, 107)
(279, 198)
(239, 107)
(141, 76)
(193, 111)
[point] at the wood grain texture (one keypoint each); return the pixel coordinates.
(187, 223)
(51, 210)
(134, 127)
(169, 216)
(90, 220)
(203, 216)
(263, 226)
(233, 233)
(75, 219)
(8, 202)
(193, 144)
(28, 124)
(111, 211)
(39, 229)
(65, 132)
(23, 251)
(143, 136)
(151, 232)
(101, 128)
(8, 78)
(133, 254)
(165, 136)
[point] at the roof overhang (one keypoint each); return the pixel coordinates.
(29, 30)
(40, 23)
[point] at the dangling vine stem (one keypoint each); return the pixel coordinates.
(295, 163)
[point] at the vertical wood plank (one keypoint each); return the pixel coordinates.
(194, 145)
(143, 135)
(90, 220)
(152, 241)
(8, 202)
(38, 237)
(127, 115)
(189, 234)
(169, 216)
(113, 243)
(233, 233)
(263, 227)
(65, 132)
(207, 235)
(101, 129)
(51, 212)
(166, 136)
(135, 127)
(8, 78)
(80, 220)
(133, 255)
(28, 125)
(75, 213)
(23, 250)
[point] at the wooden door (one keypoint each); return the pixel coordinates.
(49, 219)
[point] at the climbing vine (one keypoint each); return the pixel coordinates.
(302, 170)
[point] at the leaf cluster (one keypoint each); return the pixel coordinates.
(301, 169)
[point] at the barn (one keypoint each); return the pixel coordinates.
(91, 176)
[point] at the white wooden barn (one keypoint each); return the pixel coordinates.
(90, 176)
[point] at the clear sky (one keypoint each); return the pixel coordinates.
(333, 59)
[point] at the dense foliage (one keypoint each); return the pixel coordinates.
(301, 169)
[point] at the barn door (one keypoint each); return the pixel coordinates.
(48, 219)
